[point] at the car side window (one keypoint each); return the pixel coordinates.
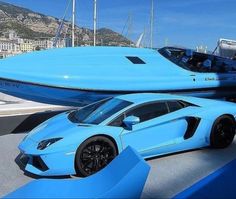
(149, 111)
(174, 106)
(144, 112)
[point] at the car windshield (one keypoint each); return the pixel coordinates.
(98, 112)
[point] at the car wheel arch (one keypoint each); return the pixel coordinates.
(232, 117)
(109, 137)
(219, 116)
(222, 115)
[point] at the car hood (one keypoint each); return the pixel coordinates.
(56, 127)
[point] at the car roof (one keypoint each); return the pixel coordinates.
(140, 98)
(147, 97)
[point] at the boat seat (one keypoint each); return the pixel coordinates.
(124, 177)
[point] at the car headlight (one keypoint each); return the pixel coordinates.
(46, 143)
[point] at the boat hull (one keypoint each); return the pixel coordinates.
(82, 75)
(81, 97)
(49, 94)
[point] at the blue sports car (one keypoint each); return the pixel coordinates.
(84, 141)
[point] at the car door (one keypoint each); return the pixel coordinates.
(158, 130)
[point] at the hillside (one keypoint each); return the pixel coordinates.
(31, 25)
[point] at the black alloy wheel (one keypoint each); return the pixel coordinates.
(94, 154)
(223, 132)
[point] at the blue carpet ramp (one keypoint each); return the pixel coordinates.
(220, 184)
(124, 177)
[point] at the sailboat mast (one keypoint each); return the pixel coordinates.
(73, 23)
(152, 24)
(95, 23)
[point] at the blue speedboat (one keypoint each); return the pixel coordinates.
(79, 76)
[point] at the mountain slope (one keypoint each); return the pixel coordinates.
(32, 25)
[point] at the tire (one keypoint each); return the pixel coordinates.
(222, 132)
(94, 154)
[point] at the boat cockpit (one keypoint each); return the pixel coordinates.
(198, 62)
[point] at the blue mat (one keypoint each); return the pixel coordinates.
(124, 177)
(220, 184)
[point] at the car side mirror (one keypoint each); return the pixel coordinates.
(130, 121)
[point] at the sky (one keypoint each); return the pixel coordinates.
(187, 23)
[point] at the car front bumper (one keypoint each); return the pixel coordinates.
(54, 164)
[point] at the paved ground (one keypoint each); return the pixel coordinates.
(5, 97)
(9, 108)
(11, 176)
(18, 115)
(169, 175)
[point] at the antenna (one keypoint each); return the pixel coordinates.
(152, 23)
(129, 27)
(166, 41)
(95, 23)
(73, 23)
(144, 37)
(60, 28)
(126, 24)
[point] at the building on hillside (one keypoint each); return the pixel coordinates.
(61, 43)
(68, 42)
(8, 46)
(43, 44)
(26, 46)
(12, 35)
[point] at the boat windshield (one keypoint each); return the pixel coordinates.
(98, 112)
(198, 62)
